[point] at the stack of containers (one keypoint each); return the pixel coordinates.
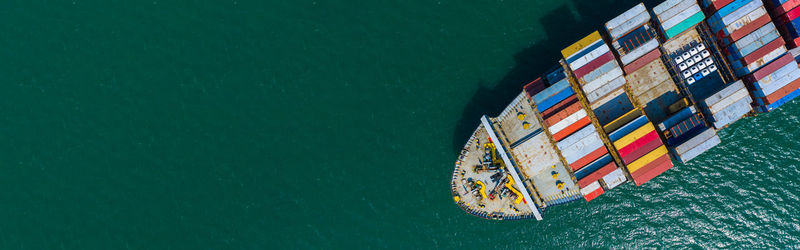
(756, 50)
(639, 146)
(727, 106)
(785, 15)
(774, 84)
(749, 44)
(576, 139)
(687, 135)
(594, 67)
(677, 16)
(637, 46)
(632, 135)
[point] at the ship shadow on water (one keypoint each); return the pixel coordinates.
(563, 26)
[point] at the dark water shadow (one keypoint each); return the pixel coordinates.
(563, 27)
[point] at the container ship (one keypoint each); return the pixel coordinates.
(650, 88)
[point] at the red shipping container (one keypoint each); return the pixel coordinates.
(644, 178)
(787, 6)
(555, 108)
(571, 129)
(594, 64)
(594, 194)
(642, 61)
(788, 16)
(716, 5)
(585, 160)
(534, 87)
(652, 165)
(653, 142)
(761, 52)
(748, 28)
(783, 91)
(564, 113)
(769, 68)
(597, 174)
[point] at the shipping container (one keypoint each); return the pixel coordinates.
(561, 134)
(649, 175)
(559, 106)
(563, 114)
(613, 109)
(661, 160)
(732, 113)
(625, 125)
(639, 52)
(718, 23)
(550, 91)
(606, 68)
(597, 174)
(784, 91)
(605, 89)
(633, 136)
(581, 45)
(727, 91)
(581, 148)
(602, 80)
(589, 158)
(770, 68)
(567, 121)
(614, 179)
(581, 59)
(676, 118)
(684, 25)
(577, 136)
(594, 166)
(698, 138)
(745, 25)
(699, 149)
(686, 126)
(640, 147)
(647, 158)
(595, 65)
(627, 21)
(555, 99)
(592, 191)
(642, 61)
(623, 120)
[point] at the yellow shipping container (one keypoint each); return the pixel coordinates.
(622, 120)
(649, 157)
(586, 41)
(633, 136)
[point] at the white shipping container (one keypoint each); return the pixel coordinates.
(614, 179)
(666, 5)
(590, 188)
(594, 85)
(725, 92)
(605, 89)
(728, 101)
(741, 22)
(680, 17)
(629, 25)
(766, 59)
(739, 13)
(625, 16)
(575, 137)
(639, 52)
(607, 98)
(578, 150)
(776, 85)
(600, 71)
(778, 74)
(580, 62)
(567, 121)
(671, 12)
(755, 35)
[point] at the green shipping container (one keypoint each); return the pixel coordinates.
(685, 24)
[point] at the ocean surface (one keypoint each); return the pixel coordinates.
(325, 124)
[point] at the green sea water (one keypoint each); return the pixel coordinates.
(324, 124)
